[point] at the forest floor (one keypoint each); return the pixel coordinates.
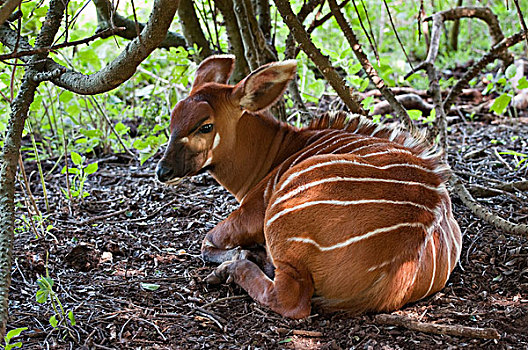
(127, 261)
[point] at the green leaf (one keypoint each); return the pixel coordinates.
(53, 321)
(91, 168)
(15, 332)
(71, 317)
(500, 104)
(287, 340)
(510, 71)
(76, 158)
(150, 286)
(523, 83)
(42, 296)
(15, 345)
(415, 114)
(514, 153)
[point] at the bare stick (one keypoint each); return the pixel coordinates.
(371, 72)
(481, 64)
(372, 46)
(521, 18)
(102, 34)
(104, 216)
(396, 33)
(435, 328)
(321, 61)
(484, 213)
(7, 8)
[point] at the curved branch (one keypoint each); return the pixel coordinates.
(125, 65)
(192, 30)
(105, 17)
(484, 213)
(322, 62)
(472, 72)
(7, 9)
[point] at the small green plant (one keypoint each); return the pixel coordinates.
(519, 157)
(10, 335)
(46, 293)
(503, 85)
(80, 173)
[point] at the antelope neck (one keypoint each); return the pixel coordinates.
(260, 144)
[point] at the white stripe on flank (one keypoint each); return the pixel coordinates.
(350, 162)
(342, 203)
(304, 187)
(433, 255)
(357, 238)
(393, 150)
(383, 264)
(367, 146)
(448, 249)
(348, 145)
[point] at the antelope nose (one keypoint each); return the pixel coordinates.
(163, 172)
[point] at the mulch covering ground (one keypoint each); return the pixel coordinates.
(104, 268)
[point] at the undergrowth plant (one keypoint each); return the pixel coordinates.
(46, 293)
(10, 336)
(80, 172)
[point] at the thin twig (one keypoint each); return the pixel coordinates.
(367, 66)
(372, 46)
(109, 122)
(521, 18)
(396, 33)
(320, 60)
(104, 216)
(104, 33)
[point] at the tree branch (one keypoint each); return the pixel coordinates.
(435, 328)
(107, 19)
(102, 34)
(367, 66)
(192, 30)
(489, 57)
(322, 62)
(7, 9)
(10, 152)
(235, 39)
(484, 213)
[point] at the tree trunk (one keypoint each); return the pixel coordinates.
(11, 151)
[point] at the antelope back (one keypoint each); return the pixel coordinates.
(366, 210)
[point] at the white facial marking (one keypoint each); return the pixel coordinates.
(216, 141)
(184, 140)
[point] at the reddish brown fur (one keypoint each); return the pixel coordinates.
(358, 232)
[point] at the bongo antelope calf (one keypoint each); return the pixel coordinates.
(354, 215)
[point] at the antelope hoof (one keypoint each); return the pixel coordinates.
(220, 274)
(211, 253)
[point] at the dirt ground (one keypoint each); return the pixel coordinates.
(105, 269)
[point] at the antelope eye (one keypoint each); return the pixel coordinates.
(206, 128)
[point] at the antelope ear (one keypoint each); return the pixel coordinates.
(214, 69)
(263, 87)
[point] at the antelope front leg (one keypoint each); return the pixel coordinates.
(288, 294)
(243, 228)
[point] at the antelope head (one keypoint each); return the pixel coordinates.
(203, 126)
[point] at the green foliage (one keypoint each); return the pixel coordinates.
(45, 293)
(80, 172)
(10, 335)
